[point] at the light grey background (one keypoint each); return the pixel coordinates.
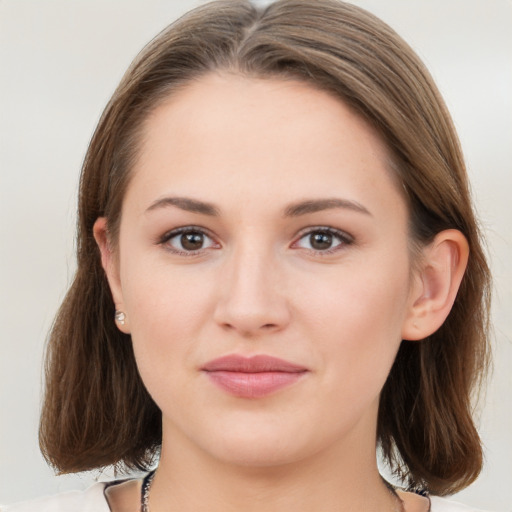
(60, 61)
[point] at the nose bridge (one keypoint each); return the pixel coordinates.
(251, 295)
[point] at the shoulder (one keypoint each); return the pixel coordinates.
(444, 505)
(91, 500)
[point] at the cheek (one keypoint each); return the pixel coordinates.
(165, 302)
(166, 310)
(357, 319)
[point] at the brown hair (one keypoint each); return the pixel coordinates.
(97, 411)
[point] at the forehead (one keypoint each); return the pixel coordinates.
(276, 138)
(221, 104)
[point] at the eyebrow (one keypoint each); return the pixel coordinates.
(317, 205)
(187, 204)
(293, 210)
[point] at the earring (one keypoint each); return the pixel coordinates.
(120, 317)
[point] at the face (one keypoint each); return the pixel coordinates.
(262, 220)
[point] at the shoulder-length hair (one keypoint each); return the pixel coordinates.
(97, 411)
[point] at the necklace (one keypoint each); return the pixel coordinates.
(148, 479)
(144, 492)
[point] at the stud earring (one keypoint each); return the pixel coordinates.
(120, 317)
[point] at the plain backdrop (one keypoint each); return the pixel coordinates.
(60, 61)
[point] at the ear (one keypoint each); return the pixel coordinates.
(437, 282)
(110, 265)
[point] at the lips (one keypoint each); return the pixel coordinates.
(252, 377)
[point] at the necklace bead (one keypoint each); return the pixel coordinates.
(144, 492)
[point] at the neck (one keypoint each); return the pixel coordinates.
(342, 479)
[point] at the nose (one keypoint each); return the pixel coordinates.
(251, 294)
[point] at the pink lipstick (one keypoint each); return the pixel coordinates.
(252, 377)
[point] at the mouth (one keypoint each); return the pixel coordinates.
(252, 377)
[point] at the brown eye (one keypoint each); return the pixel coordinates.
(324, 240)
(187, 241)
(192, 241)
(320, 241)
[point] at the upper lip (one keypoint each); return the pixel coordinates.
(253, 364)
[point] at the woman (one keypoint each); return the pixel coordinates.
(279, 270)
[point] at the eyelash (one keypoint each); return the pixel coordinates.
(344, 239)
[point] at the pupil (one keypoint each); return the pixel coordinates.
(321, 240)
(192, 241)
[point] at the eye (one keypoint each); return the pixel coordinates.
(324, 240)
(188, 240)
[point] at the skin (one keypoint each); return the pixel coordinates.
(258, 284)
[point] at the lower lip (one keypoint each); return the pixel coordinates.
(253, 385)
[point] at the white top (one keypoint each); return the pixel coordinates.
(93, 500)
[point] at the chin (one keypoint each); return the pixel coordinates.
(263, 445)
(260, 455)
